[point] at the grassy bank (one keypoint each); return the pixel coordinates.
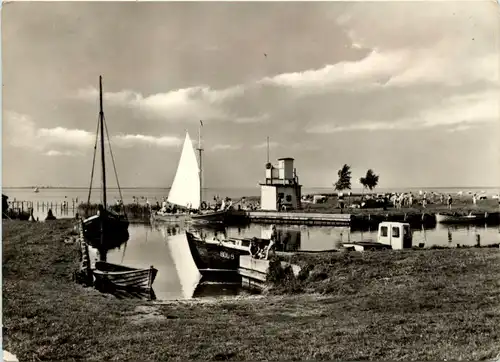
(424, 305)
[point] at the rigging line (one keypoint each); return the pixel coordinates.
(113, 160)
(93, 162)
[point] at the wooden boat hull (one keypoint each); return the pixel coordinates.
(459, 219)
(170, 218)
(115, 229)
(213, 256)
(122, 277)
(210, 217)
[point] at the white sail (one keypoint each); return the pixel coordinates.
(185, 190)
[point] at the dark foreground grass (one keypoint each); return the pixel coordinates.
(421, 305)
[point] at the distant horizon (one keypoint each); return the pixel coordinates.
(249, 187)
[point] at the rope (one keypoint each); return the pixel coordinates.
(93, 162)
(113, 161)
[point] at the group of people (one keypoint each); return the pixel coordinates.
(264, 251)
(404, 200)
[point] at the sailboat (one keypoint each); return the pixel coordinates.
(186, 190)
(106, 227)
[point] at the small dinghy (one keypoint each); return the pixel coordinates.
(123, 277)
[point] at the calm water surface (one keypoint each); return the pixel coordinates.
(165, 247)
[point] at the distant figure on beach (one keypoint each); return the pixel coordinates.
(474, 199)
(50, 215)
(32, 218)
(450, 201)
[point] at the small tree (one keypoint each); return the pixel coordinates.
(370, 181)
(344, 181)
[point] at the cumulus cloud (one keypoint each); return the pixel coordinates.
(454, 47)
(178, 105)
(272, 144)
(256, 119)
(55, 153)
(456, 113)
(138, 139)
(225, 147)
(20, 131)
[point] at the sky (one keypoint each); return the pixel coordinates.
(408, 89)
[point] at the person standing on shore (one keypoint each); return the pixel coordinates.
(450, 201)
(474, 199)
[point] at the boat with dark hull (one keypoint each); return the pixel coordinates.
(114, 227)
(123, 277)
(213, 254)
(107, 226)
(222, 255)
(454, 218)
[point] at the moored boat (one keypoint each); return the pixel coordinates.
(107, 226)
(186, 191)
(459, 219)
(212, 254)
(123, 277)
(113, 226)
(225, 254)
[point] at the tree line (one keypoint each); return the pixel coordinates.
(370, 181)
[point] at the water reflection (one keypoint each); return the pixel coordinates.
(165, 246)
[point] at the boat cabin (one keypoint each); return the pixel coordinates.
(396, 234)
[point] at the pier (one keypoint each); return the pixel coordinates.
(302, 218)
(254, 272)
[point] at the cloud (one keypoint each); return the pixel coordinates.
(256, 119)
(459, 112)
(194, 103)
(225, 147)
(20, 131)
(138, 139)
(376, 68)
(402, 52)
(264, 145)
(54, 153)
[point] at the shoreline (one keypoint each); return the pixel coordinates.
(406, 305)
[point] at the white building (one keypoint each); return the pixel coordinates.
(281, 187)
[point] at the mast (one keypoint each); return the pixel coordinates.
(200, 150)
(103, 161)
(267, 149)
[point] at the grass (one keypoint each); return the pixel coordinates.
(415, 305)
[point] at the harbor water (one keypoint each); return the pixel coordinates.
(165, 247)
